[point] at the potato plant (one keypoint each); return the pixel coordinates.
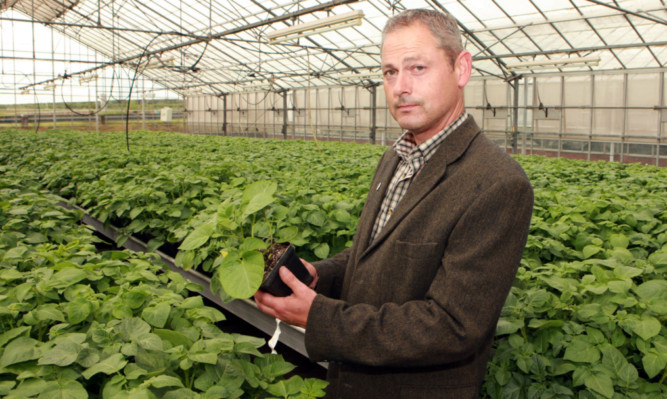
(78, 323)
(585, 317)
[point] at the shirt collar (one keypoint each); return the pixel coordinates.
(407, 148)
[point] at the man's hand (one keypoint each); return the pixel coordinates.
(292, 309)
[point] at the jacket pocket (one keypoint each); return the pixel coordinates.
(416, 250)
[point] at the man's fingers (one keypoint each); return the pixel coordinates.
(289, 278)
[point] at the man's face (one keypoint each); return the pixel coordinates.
(424, 92)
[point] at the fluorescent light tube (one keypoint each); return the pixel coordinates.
(87, 78)
(335, 22)
(361, 76)
(563, 62)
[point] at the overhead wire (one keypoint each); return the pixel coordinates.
(129, 96)
(34, 70)
(310, 110)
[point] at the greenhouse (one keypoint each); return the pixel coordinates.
(152, 151)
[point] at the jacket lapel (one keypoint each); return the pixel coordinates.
(377, 192)
(431, 174)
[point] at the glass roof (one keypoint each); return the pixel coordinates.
(220, 46)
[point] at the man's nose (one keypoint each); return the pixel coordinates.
(403, 84)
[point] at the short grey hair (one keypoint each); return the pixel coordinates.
(442, 25)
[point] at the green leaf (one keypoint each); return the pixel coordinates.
(258, 195)
(614, 360)
(65, 389)
(136, 297)
(31, 387)
(274, 366)
(646, 327)
(78, 310)
(620, 287)
(157, 315)
(13, 333)
(322, 250)
(342, 216)
(654, 363)
(652, 289)
(222, 344)
(287, 234)
(136, 211)
(286, 388)
(5, 387)
(252, 244)
(164, 381)
(590, 250)
(133, 327)
(242, 277)
(198, 237)
(623, 255)
(581, 350)
(63, 354)
(11, 274)
(175, 337)
(191, 302)
(589, 310)
(600, 383)
(107, 366)
(658, 258)
(150, 341)
(13, 254)
(48, 312)
(67, 277)
(204, 357)
(210, 314)
(508, 326)
(316, 218)
(313, 388)
(619, 241)
(133, 372)
(20, 350)
(181, 393)
(544, 324)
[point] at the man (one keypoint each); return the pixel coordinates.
(410, 310)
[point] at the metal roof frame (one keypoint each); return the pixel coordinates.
(220, 46)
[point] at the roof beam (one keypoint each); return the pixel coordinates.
(148, 53)
(573, 50)
(108, 28)
(626, 11)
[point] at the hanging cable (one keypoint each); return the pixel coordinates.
(310, 111)
(129, 97)
(488, 106)
(38, 117)
(540, 106)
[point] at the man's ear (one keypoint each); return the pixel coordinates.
(463, 67)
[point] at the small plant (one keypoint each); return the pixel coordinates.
(237, 233)
(277, 255)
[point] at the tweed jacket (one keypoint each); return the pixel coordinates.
(413, 314)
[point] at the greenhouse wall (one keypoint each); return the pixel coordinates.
(617, 116)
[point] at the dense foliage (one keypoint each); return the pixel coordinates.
(79, 323)
(586, 316)
(584, 319)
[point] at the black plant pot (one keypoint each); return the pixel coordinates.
(274, 285)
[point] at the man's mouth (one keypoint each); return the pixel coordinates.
(405, 107)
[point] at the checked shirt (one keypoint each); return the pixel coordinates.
(412, 158)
